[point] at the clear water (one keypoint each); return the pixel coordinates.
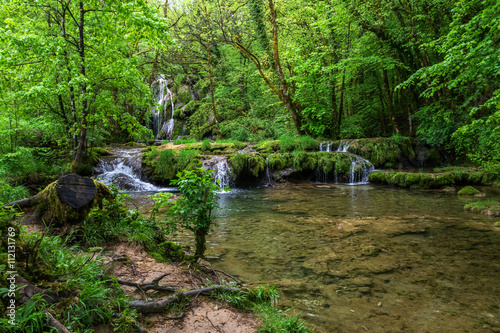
(365, 258)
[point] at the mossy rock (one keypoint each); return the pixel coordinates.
(487, 207)
(172, 251)
(268, 146)
(468, 190)
(496, 224)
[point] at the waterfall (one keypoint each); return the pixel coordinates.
(343, 148)
(123, 169)
(268, 180)
(162, 127)
(221, 171)
(358, 172)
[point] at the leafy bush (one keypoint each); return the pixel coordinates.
(240, 134)
(287, 143)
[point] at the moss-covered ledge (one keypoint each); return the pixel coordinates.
(437, 179)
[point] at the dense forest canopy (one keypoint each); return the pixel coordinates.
(78, 74)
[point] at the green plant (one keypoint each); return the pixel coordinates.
(193, 210)
(30, 317)
(205, 145)
(12, 193)
(287, 143)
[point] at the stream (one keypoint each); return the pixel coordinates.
(362, 258)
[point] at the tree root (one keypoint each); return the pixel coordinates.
(159, 306)
(56, 324)
(153, 285)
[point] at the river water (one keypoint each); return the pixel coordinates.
(362, 258)
(365, 258)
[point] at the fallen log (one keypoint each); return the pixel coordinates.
(159, 306)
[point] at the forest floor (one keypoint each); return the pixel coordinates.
(201, 314)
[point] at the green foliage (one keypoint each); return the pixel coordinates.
(263, 300)
(114, 222)
(193, 211)
(165, 165)
(30, 317)
(24, 166)
(205, 145)
(9, 193)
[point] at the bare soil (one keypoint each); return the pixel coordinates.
(202, 314)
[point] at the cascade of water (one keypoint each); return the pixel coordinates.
(161, 126)
(269, 176)
(343, 148)
(123, 169)
(221, 170)
(222, 174)
(358, 172)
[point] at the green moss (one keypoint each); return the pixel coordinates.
(298, 157)
(268, 146)
(172, 251)
(279, 161)
(238, 163)
(496, 224)
(487, 207)
(468, 190)
(378, 176)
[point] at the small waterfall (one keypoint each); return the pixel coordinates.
(358, 172)
(221, 170)
(162, 127)
(268, 180)
(123, 169)
(343, 148)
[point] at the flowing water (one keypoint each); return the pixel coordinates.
(163, 125)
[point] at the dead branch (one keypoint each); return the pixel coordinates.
(159, 306)
(153, 285)
(56, 324)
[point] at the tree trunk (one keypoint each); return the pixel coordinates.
(83, 127)
(294, 109)
(388, 96)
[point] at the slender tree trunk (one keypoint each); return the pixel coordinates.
(342, 87)
(83, 130)
(294, 110)
(388, 96)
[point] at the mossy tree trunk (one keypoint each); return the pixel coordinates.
(65, 202)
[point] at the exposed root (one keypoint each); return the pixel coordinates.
(57, 325)
(159, 306)
(153, 285)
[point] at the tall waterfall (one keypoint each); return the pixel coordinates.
(358, 173)
(163, 125)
